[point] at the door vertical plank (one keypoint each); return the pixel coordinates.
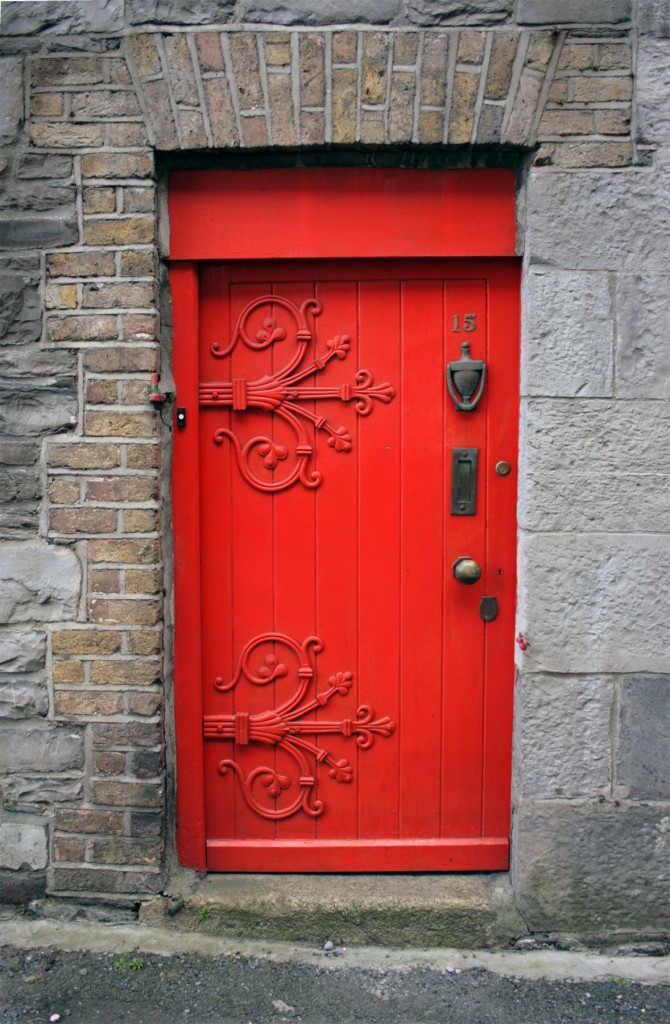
(294, 553)
(504, 320)
(217, 462)
(185, 492)
(421, 396)
(253, 568)
(337, 560)
(379, 554)
(463, 626)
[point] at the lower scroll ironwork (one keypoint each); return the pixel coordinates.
(285, 726)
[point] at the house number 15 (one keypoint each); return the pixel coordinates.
(469, 323)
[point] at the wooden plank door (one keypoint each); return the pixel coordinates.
(355, 706)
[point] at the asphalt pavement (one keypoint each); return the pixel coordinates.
(83, 972)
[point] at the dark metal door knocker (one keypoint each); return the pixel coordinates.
(465, 380)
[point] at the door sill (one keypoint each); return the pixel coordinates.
(281, 856)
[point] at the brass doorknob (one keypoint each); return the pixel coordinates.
(466, 570)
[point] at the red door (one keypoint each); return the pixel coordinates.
(352, 685)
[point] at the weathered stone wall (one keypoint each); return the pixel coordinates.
(92, 94)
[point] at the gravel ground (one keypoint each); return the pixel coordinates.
(42, 985)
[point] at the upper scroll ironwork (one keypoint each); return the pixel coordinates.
(283, 394)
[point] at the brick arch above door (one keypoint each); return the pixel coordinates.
(234, 89)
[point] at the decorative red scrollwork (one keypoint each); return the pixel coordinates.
(284, 727)
(280, 393)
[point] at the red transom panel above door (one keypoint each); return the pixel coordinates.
(344, 496)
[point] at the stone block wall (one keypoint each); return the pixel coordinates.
(95, 94)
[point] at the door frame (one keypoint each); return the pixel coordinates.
(315, 213)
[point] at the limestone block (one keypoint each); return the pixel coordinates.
(11, 96)
(20, 313)
(181, 12)
(595, 466)
(21, 18)
(41, 750)
(32, 792)
(32, 408)
(40, 232)
(643, 343)
(561, 12)
(19, 699)
(601, 220)
(562, 735)
(643, 747)
(595, 603)
(653, 76)
(306, 12)
(568, 335)
(36, 195)
(31, 361)
(592, 867)
(22, 650)
(653, 19)
(38, 581)
(22, 846)
(463, 12)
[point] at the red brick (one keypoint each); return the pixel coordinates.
(102, 392)
(121, 735)
(89, 820)
(85, 641)
(84, 879)
(126, 851)
(83, 521)
(87, 702)
(83, 455)
(144, 641)
(104, 581)
(146, 823)
(80, 264)
(62, 70)
(141, 520)
(67, 671)
(64, 492)
(133, 552)
(122, 488)
(209, 51)
(69, 848)
(138, 263)
(122, 295)
(143, 581)
(131, 230)
(124, 673)
(127, 794)
(87, 327)
(121, 360)
(146, 704)
(117, 165)
(126, 613)
(140, 326)
(110, 762)
(121, 424)
(345, 46)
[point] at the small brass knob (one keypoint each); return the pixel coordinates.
(466, 570)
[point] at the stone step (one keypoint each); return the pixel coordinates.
(457, 911)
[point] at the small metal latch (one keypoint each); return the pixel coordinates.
(464, 481)
(488, 608)
(181, 418)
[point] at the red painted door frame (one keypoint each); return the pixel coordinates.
(324, 213)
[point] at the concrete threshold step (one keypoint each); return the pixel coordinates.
(458, 911)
